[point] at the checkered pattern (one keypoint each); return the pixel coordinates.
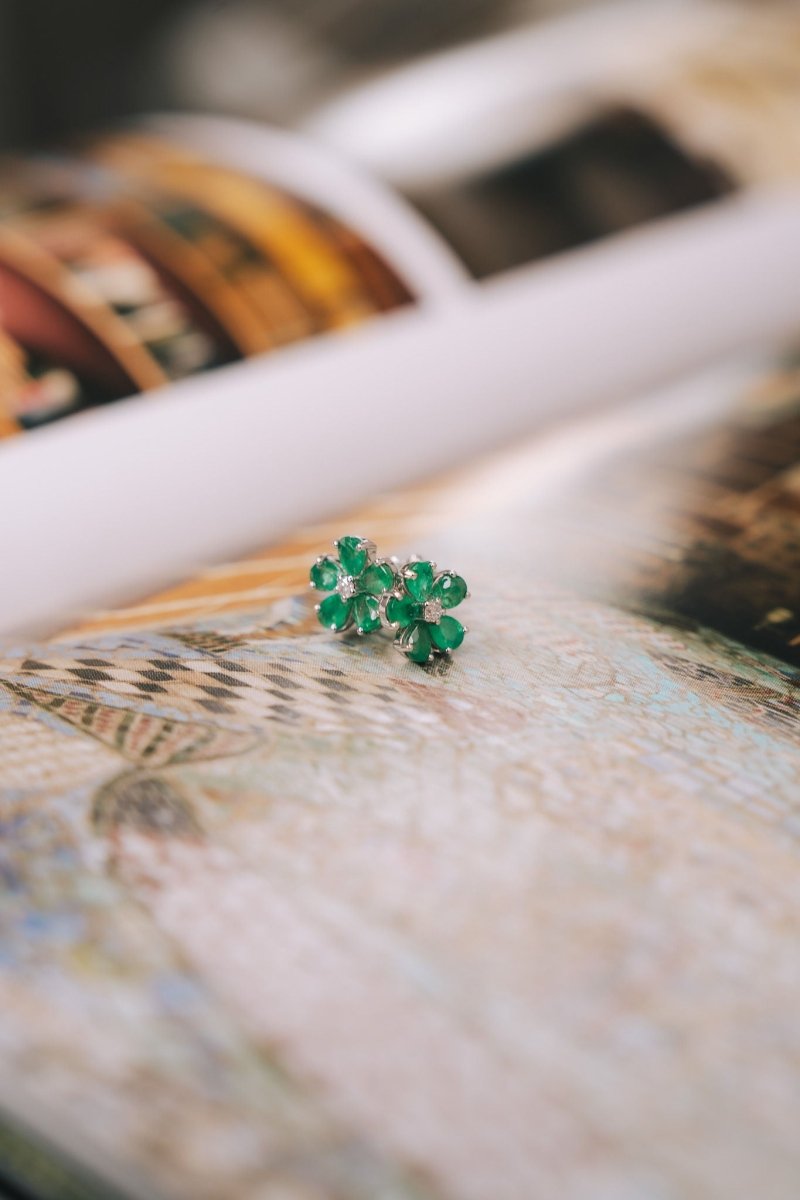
(159, 700)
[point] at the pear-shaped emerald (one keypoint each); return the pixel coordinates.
(418, 578)
(448, 634)
(365, 613)
(450, 589)
(402, 611)
(335, 613)
(376, 579)
(352, 554)
(415, 642)
(325, 574)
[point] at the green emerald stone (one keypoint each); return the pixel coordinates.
(377, 579)
(402, 612)
(334, 612)
(366, 614)
(450, 589)
(415, 642)
(418, 578)
(352, 555)
(325, 574)
(448, 634)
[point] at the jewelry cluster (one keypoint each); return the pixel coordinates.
(412, 599)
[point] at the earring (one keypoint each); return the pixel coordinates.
(356, 579)
(416, 609)
(413, 599)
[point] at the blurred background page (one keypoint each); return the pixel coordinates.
(510, 213)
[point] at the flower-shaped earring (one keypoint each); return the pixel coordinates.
(416, 609)
(356, 580)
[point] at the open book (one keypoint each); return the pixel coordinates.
(284, 913)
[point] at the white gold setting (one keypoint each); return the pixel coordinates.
(385, 598)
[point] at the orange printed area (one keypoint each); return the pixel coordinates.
(286, 231)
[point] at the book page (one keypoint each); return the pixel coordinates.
(289, 914)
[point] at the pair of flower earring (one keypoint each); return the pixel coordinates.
(412, 599)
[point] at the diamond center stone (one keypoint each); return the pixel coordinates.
(432, 612)
(346, 587)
